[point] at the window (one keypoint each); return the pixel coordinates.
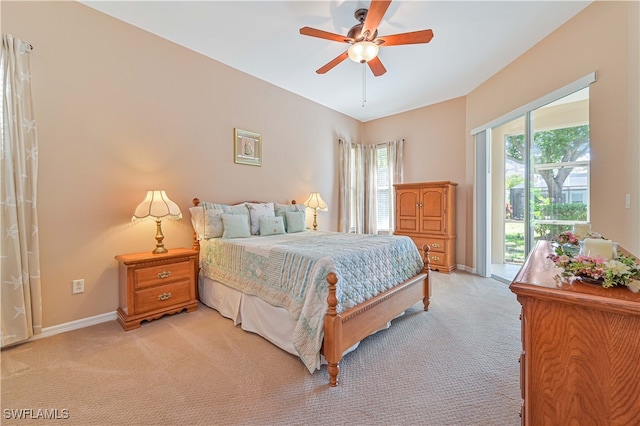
(371, 188)
(383, 189)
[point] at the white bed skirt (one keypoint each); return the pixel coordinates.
(254, 314)
(251, 313)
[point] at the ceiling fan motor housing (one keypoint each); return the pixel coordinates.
(355, 32)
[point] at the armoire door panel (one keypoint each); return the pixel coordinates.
(432, 226)
(408, 225)
(432, 204)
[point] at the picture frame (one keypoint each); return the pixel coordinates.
(247, 147)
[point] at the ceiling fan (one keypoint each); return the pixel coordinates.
(364, 40)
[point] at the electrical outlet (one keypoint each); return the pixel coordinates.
(77, 286)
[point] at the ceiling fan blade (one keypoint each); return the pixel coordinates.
(374, 16)
(414, 37)
(333, 63)
(376, 67)
(312, 32)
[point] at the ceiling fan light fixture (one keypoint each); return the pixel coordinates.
(363, 51)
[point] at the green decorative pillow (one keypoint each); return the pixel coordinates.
(271, 226)
(282, 209)
(235, 226)
(295, 221)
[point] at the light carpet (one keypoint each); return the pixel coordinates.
(456, 364)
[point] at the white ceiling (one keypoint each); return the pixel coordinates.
(472, 41)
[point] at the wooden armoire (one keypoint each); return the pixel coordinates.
(426, 212)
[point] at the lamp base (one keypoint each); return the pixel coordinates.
(315, 223)
(160, 248)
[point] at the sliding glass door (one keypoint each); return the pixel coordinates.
(543, 184)
(559, 172)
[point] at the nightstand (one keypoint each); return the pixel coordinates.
(153, 285)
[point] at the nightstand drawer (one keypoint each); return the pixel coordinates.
(162, 296)
(161, 274)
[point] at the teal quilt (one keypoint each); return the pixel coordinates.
(289, 270)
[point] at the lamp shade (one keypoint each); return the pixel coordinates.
(157, 205)
(363, 51)
(315, 201)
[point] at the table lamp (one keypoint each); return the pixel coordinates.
(315, 202)
(156, 205)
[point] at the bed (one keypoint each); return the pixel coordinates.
(315, 294)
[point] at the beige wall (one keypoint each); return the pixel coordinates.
(120, 111)
(602, 38)
(434, 150)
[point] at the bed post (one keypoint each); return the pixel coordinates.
(196, 246)
(196, 242)
(427, 282)
(332, 332)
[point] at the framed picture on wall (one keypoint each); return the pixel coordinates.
(247, 147)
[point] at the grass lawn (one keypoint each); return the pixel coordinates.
(514, 242)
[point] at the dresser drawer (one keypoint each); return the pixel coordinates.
(161, 274)
(163, 296)
(436, 259)
(436, 244)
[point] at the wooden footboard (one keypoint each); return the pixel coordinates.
(345, 329)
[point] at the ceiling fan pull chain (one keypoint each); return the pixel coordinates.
(364, 83)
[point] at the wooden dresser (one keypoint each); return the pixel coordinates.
(580, 363)
(426, 212)
(153, 285)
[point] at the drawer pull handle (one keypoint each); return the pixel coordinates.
(164, 296)
(436, 258)
(435, 245)
(164, 274)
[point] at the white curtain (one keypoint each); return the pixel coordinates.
(344, 181)
(358, 175)
(395, 150)
(20, 292)
(369, 224)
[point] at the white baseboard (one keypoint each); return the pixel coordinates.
(466, 269)
(74, 325)
(501, 279)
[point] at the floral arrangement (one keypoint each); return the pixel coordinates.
(619, 271)
(568, 237)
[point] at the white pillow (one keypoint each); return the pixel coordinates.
(271, 226)
(235, 226)
(197, 220)
(257, 211)
(213, 226)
